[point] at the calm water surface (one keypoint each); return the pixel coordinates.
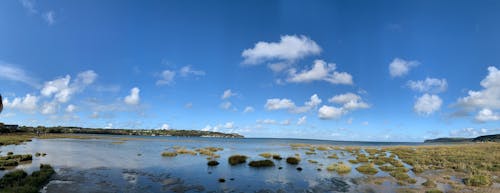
(98, 165)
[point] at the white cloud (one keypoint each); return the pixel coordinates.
(399, 67)
(302, 120)
(321, 71)
(108, 126)
(227, 94)
(313, 102)
(344, 98)
(290, 48)
(62, 88)
(28, 103)
(277, 104)
(165, 127)
(49, 17)
(267, 121)
(133, 98)
(278, 67)
(472, 132)
(10, 72)
(427, 104)
(432, 85)
(188, 70)
(487, 115)
(286, 122)
(248, 109)
(488, 97)
(166, 78)
(210, 128)
(225, 105)
(329, 112)
(49, 108)
(287, 104)
(349, 101)
(70, 108)
(229, 125)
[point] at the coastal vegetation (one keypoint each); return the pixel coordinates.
(293, 160)
(261, 163)
(237, 159)
(340, 168)
(20, 182)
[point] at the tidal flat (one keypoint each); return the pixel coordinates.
(107, 163)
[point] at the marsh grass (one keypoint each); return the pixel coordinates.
(339, 168)
(429, 183)
(185, 151)
(237, 159)
(212, 163)
(477, 162)
(277, 157)
(333, 156)
(118, 142)
(12, 160)
(367, 169)
(19, 181)
(478, 180)
(168, 154)
(266, 155)
(261, 163)
(293, 160)
(322, 148)
(312, 161)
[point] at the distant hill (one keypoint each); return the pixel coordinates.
(484, 138)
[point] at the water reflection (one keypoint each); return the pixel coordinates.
(100, 165)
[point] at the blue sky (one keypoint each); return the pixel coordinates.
(341, 70)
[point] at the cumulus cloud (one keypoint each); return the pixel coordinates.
(13, 73)
(29, 103)
(290, 48)
(278, 104)
(330, 112)
(348, 101)
(248, 109)
(302, 120)
(488, 97)
(432, 85)
(228, 126)
(166, 78)
(133, 98)
(287, 104)
(321, 71)
(227, 94)
(63, 89)
(427, 104)
(70, 108)
(487, 115)
(399, 67)
(49, 107)
(165, 127)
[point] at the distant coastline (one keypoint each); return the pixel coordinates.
(141, 132)
(484, 138)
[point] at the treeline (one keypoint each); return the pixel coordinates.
(80, 130)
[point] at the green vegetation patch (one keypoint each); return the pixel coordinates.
(20, 182)
(478, 180)
(429, 183)
(261, 163)
(339, 168)
(237, 159)
(293, 160)
(168, 154)
(367, 169)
